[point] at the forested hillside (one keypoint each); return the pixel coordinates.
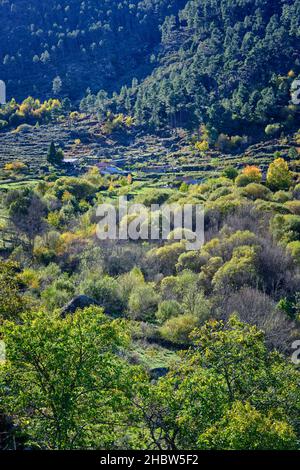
(85, 44)
(228, 63)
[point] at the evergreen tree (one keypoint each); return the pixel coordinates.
(55, 157)
(57, 85)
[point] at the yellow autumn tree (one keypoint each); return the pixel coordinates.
(202, 146)
(15, 167)
(279, 176)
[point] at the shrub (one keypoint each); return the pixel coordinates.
(293, 154)
(191, 260)
(75, 115)
(143, 302)
(282, 196)
(256, 191)
(227, 245)
(77, 187)
(168, 309)
(222, 207)
(285, 228)
(215, 183)
(105, 291)
(242, 180)
(256, 308)
(250, 174)
(164, 259)
(202, 146)
(184, 187)
(130, 281)
(296, 192)
(3, 124)
(178, 329)
(152, 196)
(273, 129)
(181, 234)
(239, 271)
(15, 167)
(228, 143)
(253, 173)
(13, 302)
(22, 128)
(219, 192)
(294, 250)
(58, 294)
(208, 271)
(269, 206)
(293, 206)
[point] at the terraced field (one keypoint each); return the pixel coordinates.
(164, 156)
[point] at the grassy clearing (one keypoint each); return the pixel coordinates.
(153, 356)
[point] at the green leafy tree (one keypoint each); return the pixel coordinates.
(12, 299)
(178, 329)
(245, 428)
(64, 381)
(227, 392)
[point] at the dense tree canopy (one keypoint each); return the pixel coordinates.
(227, 63)
(66, 46)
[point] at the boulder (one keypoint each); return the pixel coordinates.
(79, 302)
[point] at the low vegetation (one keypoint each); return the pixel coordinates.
(152, 310)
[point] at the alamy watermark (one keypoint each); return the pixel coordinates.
(123, 221)
(296, 354)
(295, 92)
(2, 92)
(2, 351)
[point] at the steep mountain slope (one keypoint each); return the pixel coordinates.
(88, 44)
(227, 63)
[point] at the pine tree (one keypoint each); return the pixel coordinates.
(57, 85)
(55, 157)
(51, 153)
